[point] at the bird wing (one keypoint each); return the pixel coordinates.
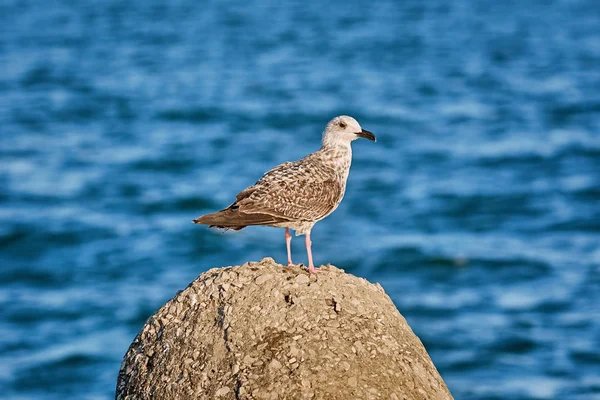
(303, 190)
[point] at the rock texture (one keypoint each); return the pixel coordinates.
(266, 331)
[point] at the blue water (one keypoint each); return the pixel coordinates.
(478, 209)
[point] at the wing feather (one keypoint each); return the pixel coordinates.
(303, 190)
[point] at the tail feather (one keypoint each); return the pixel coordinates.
(232, 218)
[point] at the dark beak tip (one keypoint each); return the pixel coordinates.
(367, 135)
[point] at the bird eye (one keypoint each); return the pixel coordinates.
(342, 125)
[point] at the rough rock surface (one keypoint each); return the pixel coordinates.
(267, 331)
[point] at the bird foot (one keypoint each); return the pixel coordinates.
(290, 264)
(313, 270)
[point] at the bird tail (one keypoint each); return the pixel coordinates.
(220, 219)
(232, 218)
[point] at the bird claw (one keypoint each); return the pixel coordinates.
(313, 270)
(290, 264)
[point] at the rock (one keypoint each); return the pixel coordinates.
(262, 330)
(262, 278)
(222, 392)
(274, 364)
(352, 381)
(302, 279)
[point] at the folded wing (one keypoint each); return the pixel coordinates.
(303, 190)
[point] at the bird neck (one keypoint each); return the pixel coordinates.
(341, 154)
(337, 149)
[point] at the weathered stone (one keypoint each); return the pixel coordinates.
(302, 279)
(275, 365)
(279, 334)
(262, 279)
(352, 381)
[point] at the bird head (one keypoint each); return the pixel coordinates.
(342, 130)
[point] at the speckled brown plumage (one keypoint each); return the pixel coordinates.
(295, 195)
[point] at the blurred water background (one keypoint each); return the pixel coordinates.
(478, 209)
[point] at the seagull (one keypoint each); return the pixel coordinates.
(296, 195)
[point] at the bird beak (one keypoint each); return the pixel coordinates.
(367, 135)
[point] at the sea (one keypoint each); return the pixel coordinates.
(478, 209)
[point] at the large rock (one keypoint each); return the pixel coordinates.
(266, 331)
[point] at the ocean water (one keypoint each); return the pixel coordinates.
(478, 209)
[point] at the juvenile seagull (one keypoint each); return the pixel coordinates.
(295, 195)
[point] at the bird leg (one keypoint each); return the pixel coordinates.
(311, 266)
(288, 244)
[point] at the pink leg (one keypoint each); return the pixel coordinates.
(288, 244)
(311, 266)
